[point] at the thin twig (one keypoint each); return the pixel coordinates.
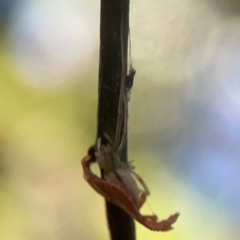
(114, 29)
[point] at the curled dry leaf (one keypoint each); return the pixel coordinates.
(122, 198)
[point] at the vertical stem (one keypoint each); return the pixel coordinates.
(114, 28)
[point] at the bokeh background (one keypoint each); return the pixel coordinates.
(184, 117)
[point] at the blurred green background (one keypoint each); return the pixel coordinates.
(184, 124)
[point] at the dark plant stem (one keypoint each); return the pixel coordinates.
(114, 30)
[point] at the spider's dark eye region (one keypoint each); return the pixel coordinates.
(91, 151)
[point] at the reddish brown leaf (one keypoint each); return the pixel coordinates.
(122, 198)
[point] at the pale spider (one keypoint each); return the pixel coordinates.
(109, 156)
(118, 172)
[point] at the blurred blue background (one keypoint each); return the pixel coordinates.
(184, 125)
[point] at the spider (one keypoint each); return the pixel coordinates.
(109, 156)
(119, 172)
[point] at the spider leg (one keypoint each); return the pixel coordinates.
(98, 144)
(120, 117)
(146, 190)
(142, 199)
(125, 118)
(120, 142)
(122, 105)
(108, 138)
